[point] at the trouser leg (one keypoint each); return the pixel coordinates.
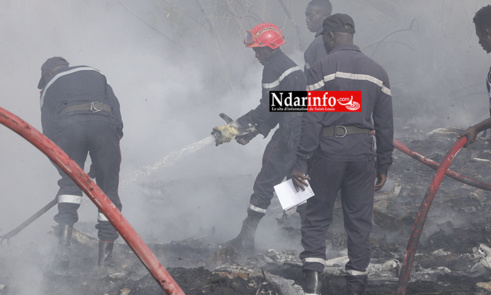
(325, 181)
(71, 140)
(357, 201)
(277, 163)
(106, 157)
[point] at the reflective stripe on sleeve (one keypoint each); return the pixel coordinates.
(282, 76)
(257, 209)
(69, 199)
(351, 76)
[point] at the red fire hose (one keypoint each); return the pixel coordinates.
(423, 212)
(434, 165)
(96, 195)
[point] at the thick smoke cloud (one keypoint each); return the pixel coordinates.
(175, 65)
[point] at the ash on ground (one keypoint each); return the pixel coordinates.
(453, 257)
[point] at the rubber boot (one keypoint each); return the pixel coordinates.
(105, 253)
(313, 282)
(65, 241)
(244, 242)
(356, 285)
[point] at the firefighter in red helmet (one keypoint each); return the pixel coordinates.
(280, 73)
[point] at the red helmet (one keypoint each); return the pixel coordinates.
(264, 35)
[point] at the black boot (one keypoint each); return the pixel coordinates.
(65, 241)
(244, 242)
(105, 253)
(313, 282)
(356, 285)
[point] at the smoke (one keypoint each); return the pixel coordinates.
(175, 65)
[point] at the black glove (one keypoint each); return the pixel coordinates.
(246, 138)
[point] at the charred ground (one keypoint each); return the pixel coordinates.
(453, 256)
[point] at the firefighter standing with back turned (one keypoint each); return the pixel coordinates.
(341, 150)
(482, 22)
(279, 73)
(81, 114)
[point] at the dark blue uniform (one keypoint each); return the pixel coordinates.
(488, 86)
(279, 73)
(81, 114)
(347, 164)
(314, 52)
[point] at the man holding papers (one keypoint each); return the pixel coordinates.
(341, 150)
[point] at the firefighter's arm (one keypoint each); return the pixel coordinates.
(471, 132)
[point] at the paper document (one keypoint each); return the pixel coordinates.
(288, 195)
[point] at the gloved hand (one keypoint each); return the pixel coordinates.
(246, 138)
(225, 133)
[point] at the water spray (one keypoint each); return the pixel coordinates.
(168, 160)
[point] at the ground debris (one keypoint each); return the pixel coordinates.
(453, 256)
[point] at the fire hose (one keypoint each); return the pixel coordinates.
(434, 165)
(61, 159)
(423, 212)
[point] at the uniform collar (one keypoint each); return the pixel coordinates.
(350, 47)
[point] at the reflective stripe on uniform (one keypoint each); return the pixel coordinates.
(282, 76)
(351, 76)
(257, 209)
(69, 199)
(314, 260)
(356, 272)
(102, 217)
(61, 75)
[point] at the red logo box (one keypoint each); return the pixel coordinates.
(334, 101)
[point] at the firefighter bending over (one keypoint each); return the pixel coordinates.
(81, 114)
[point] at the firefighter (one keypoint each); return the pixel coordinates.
(279, 73)
(315, 13)
(341, 149)
(81, 114)
(482, 22)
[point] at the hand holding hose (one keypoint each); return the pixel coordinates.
(246, 138)
(225, 133)
(380, 181)
(471, 134)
